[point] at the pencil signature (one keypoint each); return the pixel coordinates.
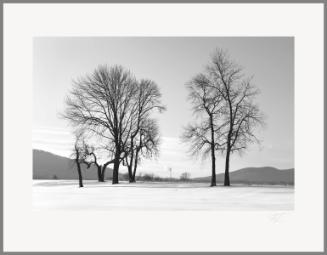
(277, 217)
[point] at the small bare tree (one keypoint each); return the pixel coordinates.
(144, 130)
(77, 156)
(90, 158)
(146, 146)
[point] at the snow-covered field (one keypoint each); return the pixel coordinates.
(65, 195)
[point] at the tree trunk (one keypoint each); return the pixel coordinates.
(229, 137)
(79, 171)
(135, 166)
(99, 174)
(103, 173)
(129, 168)
(130, 174)
(226, 181)
(116, 168)
(115, 172)
(130, 165)
(213, 158)
(133, 178)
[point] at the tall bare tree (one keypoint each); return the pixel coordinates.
(104, 104)
(202, 136)
(146, 145)
(241, 115)
(144, 130)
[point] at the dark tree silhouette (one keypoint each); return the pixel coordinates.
(240, 114)
(90, 158)
(77, 156)
(144, 131)
(104, 103)
(202, 136)
(146, 145)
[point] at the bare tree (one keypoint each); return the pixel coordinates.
(202, 136)
(77, 156)
(146, 145)
(90, 158)
(240, 114)
(104, 103)
(144, 130)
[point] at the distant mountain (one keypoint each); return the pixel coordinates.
(256, 175)
(50, 166)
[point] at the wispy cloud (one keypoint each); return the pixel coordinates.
(55, 140)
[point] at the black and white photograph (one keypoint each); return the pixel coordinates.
(163, 123)
(163, 127)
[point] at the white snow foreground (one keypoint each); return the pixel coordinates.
(66, 195)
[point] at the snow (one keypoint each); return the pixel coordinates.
(66, 195)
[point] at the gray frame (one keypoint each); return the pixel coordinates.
(324, 2)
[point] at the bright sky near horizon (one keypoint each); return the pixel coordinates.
(170, 62)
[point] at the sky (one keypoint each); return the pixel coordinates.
(171, 62)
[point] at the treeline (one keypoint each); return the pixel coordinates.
(147, 177)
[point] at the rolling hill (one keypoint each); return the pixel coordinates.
(256, 175)
(50, 166)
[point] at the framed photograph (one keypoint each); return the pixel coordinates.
(163, 127)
